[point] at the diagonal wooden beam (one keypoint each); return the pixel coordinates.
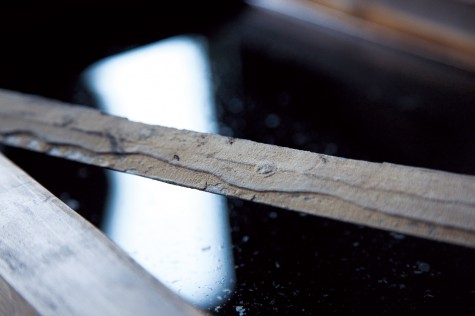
(421, 202)
(53, 262)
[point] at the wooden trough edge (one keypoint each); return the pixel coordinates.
(421, 202)
(53, 262)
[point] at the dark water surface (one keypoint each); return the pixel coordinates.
(272, 80)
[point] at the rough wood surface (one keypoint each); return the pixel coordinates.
(52, 262)
(431, 204)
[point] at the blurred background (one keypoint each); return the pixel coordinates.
(378, 80)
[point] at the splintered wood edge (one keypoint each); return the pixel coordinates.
(427, 203)
(52, 262)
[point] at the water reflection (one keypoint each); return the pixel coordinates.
(179, 235)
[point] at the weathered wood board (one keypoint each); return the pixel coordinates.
(53, 262)
(421, 202)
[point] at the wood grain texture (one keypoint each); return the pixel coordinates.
(52, 262)
(421, 202)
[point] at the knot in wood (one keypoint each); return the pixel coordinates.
(266, 168)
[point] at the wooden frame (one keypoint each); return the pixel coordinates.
(46, 244)
(421, 202)
(55, 263)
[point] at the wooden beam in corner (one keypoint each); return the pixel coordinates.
(52, 262)
(420, 202)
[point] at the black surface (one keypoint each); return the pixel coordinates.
(281, 82)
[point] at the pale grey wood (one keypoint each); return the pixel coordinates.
(52, 262)
(427, 203)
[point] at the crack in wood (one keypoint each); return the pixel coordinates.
(219, 188)
(359, 192)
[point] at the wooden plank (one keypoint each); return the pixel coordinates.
(421, 202)
(52, 262)
(384, 24)
(408, 17)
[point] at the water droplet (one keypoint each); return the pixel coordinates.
(397, 236)
(330, 149)
(83, 173)
(235, 106)
(422, 267)
(272, 121)
(241, 310)
(69, 201)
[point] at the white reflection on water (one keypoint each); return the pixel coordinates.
(179, 235)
